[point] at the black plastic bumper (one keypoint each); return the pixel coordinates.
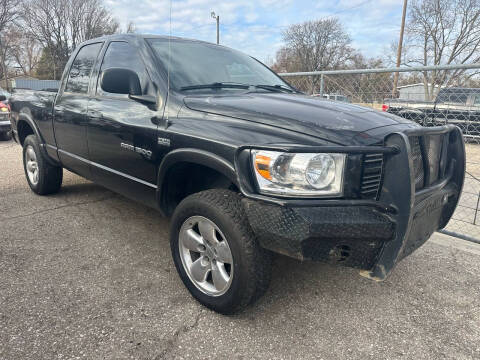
(5, 125)
(372, 236)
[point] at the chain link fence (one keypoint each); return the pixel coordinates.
(430, 96)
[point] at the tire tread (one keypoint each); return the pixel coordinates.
(229, 204)
(51, 181)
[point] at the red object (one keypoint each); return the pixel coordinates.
(3, 105)
(385, 107)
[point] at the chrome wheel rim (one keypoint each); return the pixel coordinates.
(31, 165)
(206, 256)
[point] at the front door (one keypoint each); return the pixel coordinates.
(122, 132)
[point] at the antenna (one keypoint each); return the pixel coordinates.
(169, 61)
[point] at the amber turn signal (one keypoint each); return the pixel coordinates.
(262, 164)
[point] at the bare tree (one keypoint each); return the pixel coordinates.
(8, 14)
(131, 28)
(442, 32)
(23, 50)
(60, 25)
(315, 45)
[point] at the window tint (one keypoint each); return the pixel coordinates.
(122, 55)
(458, 98)
(197, 63)
(455, 95)
(81, 68)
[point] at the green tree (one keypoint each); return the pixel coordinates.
(46, 65)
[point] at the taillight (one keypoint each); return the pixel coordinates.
(385, 107)
(4, 107)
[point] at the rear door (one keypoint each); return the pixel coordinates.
(122, 132)
(70, 111)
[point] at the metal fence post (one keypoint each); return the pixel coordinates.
(476, 209)
(321, 84)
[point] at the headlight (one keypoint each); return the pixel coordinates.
(299, 174)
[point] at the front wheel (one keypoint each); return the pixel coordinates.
(216, 253)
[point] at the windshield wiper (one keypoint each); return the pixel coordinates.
(233, 85)
(278, 88)
(216, 85)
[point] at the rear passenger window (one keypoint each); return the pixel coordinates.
(81, 69)
(122, 55)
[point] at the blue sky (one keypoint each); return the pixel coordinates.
(255, 27)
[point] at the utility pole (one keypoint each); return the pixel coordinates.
(217, 17)
(4, 67)
(399, 50)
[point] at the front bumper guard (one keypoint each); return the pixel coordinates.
(383, 231)
(419, 213)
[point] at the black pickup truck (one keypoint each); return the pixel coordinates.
(243, 163)
(453, 105)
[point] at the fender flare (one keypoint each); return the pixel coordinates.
(194, 156)
(23, 116)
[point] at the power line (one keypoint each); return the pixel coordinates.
(352, 7)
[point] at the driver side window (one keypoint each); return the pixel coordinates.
(120, 54)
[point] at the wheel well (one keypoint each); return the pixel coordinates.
(24, 129)
(184, 179)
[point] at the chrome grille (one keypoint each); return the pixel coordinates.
(372, 175)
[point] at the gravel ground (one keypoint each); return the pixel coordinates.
(87, 274)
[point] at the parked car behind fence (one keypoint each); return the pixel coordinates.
(455, 105)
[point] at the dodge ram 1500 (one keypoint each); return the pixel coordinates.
(244, 164)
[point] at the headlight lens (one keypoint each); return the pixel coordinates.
(299, 174)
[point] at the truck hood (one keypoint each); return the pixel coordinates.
(337, 122)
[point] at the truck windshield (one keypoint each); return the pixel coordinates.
(199, 66)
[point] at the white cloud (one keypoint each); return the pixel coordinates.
(255, 26)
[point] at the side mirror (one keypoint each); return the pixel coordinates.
(121, 81)
(3, 98)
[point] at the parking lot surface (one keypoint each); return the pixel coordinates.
(88, 274)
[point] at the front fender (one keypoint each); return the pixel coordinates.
(194, 156)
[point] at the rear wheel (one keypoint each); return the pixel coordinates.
(42, 177)
(216, 253)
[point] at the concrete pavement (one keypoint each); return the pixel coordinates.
(88, 274)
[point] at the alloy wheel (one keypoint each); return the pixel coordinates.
(206, 255)
(31, 165)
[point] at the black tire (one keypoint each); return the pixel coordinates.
(5, 136)
(252, 264)
(49, 177)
